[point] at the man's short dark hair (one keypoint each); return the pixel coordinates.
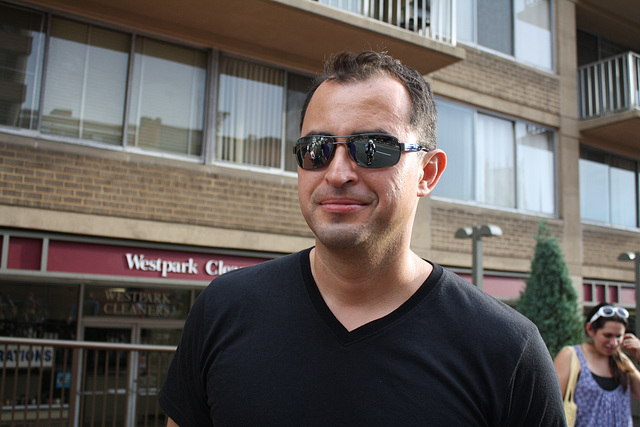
(347, 67)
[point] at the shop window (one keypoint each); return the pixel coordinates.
(38, 311)
(116, 301)
(496, 161)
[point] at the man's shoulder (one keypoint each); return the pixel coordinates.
(285, 263)
(259, 276)
(477, 307)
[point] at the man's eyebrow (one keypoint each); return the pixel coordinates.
(372, 131)
(317, 132)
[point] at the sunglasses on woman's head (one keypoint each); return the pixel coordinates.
(368, 150)
(610, 311)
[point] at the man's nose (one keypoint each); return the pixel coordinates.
(342, 168)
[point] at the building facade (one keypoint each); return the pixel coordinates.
(145, 147)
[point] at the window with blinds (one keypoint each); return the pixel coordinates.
(22, 42)
(168, 90)
(87, 83)
(255, 104)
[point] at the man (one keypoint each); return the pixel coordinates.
(359, 330)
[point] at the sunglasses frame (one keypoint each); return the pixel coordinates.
(331, 140)
(619, 311)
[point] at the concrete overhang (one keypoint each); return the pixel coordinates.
(295, 33)
(620, 130)
(618, 20)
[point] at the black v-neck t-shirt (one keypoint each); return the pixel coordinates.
(261, 347)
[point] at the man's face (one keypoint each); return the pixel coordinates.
(349, 206)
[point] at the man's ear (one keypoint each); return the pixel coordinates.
(434, 164)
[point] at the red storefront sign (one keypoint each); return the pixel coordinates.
(102, 259)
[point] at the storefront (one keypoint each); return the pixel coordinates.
(80, 288)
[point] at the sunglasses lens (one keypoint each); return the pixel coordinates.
(622, 312)
(314, 152)
(607, 311)
(368, 151)
(374, 151)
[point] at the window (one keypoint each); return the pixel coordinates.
(86, 82)
(21, 55)
(167, 98)
(520, 28)
(38, 310)
(88, 86)
(116, 89)
(252, 99)
(609, 188)
(535, 168)
(355, 6)
(496, 161)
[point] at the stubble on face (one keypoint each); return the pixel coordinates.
(384, 194)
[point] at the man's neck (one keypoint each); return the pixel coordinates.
(361, 287)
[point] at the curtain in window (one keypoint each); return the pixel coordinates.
(355, 6)
(455, 137)
(466, 20)
(167, 98)
(85, 82)
(522, 28)
(533, 39)
(608, 188)
(495, 175)
(250, 113)
(297, 88)
(21, 55)
(495, 24)
(623, 192)
(536, 190)
(594, 188)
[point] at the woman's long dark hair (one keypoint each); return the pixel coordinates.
(619, 370)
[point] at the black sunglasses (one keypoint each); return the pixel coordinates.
(369, 150)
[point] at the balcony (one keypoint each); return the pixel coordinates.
(609, 104)
(295, 33)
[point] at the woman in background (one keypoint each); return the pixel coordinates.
(607, 375)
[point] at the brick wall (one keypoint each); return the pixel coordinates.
(601, 247)
(504, 79)
(143, 188)
(518, 231)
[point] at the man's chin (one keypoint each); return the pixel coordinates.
(341, 238)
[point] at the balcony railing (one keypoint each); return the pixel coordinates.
(433, 19)
(609, 86)
(73, 383)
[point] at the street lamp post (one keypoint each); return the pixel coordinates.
(634, 256)
(476, 233)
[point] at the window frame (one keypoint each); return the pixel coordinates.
(475, 111)
(512, 57)
(210, 98)
(609, 157)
